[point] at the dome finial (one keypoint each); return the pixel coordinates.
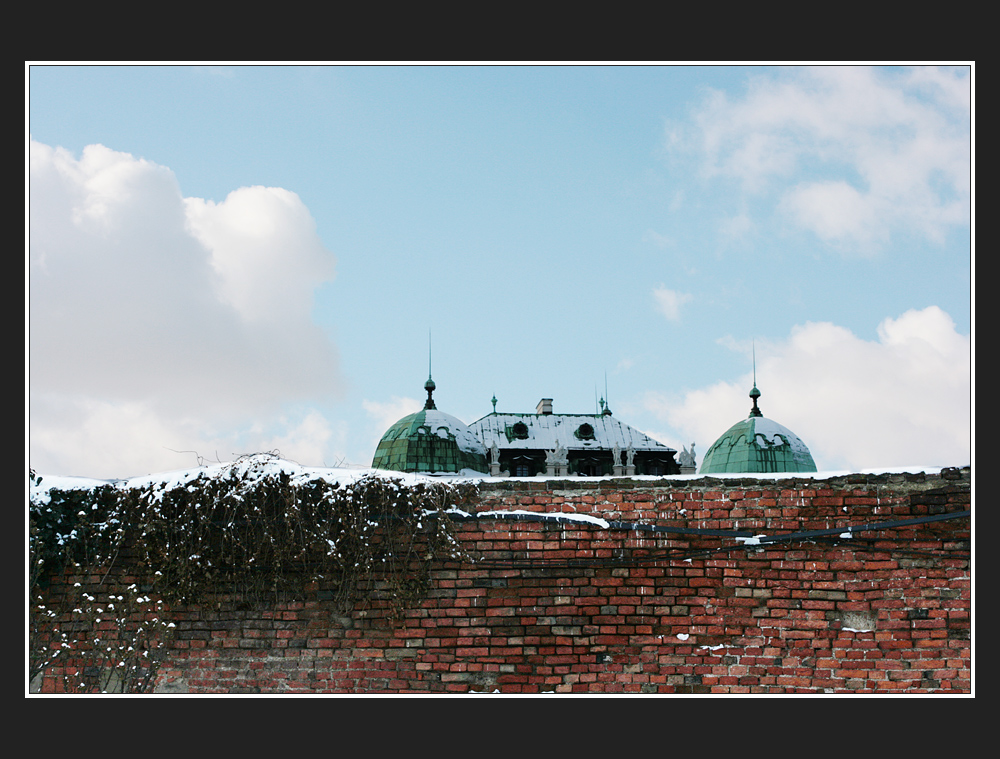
(755, 394)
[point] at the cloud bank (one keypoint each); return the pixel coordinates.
(886, 151)
(669, 302)
(903, 399)
(155, 321)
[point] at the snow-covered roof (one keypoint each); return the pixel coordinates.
(441, 424)
(544, 431)
(768, 432)
(758, 444)
(429, 441)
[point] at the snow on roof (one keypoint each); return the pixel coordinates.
(770, 430)
(545, 430)
(440, 424)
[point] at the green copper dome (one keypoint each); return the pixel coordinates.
(430, 441)
(757, 445)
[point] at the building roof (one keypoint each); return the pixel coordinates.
(757, 445)
(571, 431)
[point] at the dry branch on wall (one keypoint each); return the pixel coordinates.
(252, 533)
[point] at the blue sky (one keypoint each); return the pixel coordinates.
(228, 259)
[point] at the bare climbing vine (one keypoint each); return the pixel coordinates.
(251, 533)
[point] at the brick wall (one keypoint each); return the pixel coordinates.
(557, 603)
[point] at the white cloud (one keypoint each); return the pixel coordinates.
(150, 322)
(84, 436)
(669, 302)
(386, 413)
(835, 211)
(264, 250)
(887, 151)
(657, 239)
(309, 439)
(737, 227)
(96, 438)
(904, 399)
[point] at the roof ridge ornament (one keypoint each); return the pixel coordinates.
(755, 394)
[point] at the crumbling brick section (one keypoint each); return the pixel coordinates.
(686, 586)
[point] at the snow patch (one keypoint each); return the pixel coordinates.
(582, 518)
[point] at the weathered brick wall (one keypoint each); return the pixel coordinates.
(576, 606)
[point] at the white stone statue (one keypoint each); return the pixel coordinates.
(561, 454)
(686, 459)
(494, 460)
(556, 461)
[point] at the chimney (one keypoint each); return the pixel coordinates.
(544, 406)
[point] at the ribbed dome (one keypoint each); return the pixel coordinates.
(757, 445)
(430, 441)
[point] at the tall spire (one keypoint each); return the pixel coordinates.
(755, 393)
(429, 384)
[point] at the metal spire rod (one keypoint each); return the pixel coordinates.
(755, 393)
(429, 384)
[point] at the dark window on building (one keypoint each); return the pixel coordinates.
(658, 467)
(523, 466)
(590, 467)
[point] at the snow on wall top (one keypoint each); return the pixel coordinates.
(249, 468)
